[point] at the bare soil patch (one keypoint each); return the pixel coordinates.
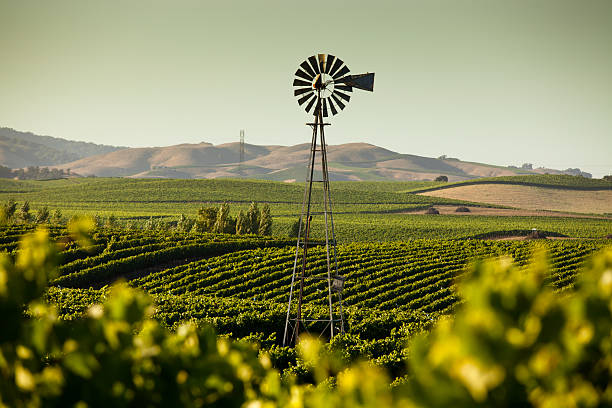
(532, 198)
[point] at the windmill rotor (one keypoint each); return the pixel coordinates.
(323, 81)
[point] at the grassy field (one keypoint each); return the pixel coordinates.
(364, 211)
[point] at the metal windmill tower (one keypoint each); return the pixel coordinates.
(323, 84)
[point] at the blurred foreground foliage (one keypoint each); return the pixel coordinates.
(512, 343)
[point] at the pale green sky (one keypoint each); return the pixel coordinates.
(501, 82)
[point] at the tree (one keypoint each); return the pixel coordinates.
(230, 225)
(184, 224)
(222, 218)
(9, 209)
(252, 217)
(608, 177)
(42, 215)
(265, 221)
(57, 216)
(207, 216)
(24, 212)
(6, 172)
(442, 178)
(241, 223)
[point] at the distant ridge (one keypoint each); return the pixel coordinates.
(22, 149)
(350, 161)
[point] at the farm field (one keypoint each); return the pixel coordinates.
(364, 211)
(402, 266)
(239, 284)
(404, 269)
(531, 197)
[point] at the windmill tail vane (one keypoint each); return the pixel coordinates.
(322, 85)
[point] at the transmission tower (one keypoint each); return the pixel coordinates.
(322, 81)
(240, 169)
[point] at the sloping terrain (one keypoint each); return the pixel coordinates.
(351, 161)
(20, 153)
(346, 162)
(531, 197)
(22, 149)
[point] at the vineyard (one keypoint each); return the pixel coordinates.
(403, 270)
(364, 211)
(239, 284)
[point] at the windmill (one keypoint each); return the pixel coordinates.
(322, 85)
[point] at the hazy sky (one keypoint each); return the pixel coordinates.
(501, 82)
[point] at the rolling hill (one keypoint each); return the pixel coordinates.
(351, 161)
(22, 149)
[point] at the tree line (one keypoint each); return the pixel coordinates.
(11, 212)
(208, 219)
(211, 219)
(34, 173)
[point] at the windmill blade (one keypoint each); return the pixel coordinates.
(304, 75)
(344, 87)
(342, 95)
(304, 99)
(337, 64)
(306, 67)
(309, 106)
(343, 71)
(325, 108)
(338, 102)
(299, 82)
(314, 64)
(301, 91)
(329, 63)
(322, 59)
(360, 81)
(332, 107)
